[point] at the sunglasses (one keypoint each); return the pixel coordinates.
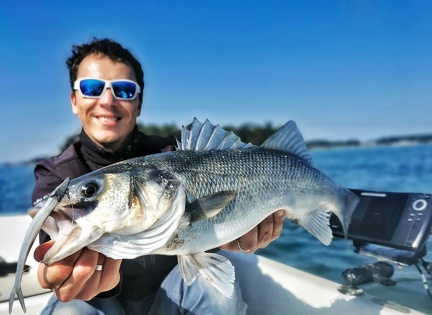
(94, 88)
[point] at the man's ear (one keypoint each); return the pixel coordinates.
(140, 101)
(73, 103)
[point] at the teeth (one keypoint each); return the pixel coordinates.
(108, 119)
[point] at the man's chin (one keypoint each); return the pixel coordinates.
(109, 143)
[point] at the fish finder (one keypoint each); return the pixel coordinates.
(396, 220)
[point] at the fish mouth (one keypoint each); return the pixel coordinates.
(66, 215)
(64, 227)
(63, 215)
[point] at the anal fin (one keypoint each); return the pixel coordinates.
(317, 223)
(215, 268)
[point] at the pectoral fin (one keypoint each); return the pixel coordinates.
(215, 268)
(209, 206)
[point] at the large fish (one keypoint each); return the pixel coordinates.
(210, 191)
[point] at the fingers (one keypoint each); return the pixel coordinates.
(270, 228)
(41, 250)
(76, 277)
(83, 278)
(260, 236)
(249, 242)
(54, 275)
(110, 274)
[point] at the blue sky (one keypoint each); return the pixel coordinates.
(341, 69)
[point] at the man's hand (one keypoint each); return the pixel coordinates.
(260, 236)
(76, 277)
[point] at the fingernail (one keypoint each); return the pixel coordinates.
(280, 213)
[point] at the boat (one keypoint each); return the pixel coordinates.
(268, 287)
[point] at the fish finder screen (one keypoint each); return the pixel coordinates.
(377, 217)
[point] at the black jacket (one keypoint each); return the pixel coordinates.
(141, 276)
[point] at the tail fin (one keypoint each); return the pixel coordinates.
(317, 222)
(350, 203)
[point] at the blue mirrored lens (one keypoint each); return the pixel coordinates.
(121, 89)
(124, 90)
(92, 87)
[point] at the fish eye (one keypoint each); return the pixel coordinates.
(90, 189)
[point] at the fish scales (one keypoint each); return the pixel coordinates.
(265, 180)
(212, 190)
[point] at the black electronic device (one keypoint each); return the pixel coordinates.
(397, 220)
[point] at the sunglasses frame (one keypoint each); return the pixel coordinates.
(108, 84)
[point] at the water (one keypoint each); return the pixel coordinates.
(16, 185)
(398, 169)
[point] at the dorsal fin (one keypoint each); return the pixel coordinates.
(289, 138)
(206, 136)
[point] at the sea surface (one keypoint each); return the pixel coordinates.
(392, 169)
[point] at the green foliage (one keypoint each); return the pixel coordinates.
(164, 130)
(257, 134)
(248, 132)
(253, 133)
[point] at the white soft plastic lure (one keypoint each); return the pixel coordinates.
(51, 202)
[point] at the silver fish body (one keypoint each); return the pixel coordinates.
(263, 181)
(211, 191)
(231, 190)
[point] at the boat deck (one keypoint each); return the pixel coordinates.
(268, 287)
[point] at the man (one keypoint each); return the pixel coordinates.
(107, 84)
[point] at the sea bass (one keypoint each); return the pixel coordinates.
(213, 189)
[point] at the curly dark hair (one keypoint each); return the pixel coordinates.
(109, 48)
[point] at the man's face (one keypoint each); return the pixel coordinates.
(106, 120)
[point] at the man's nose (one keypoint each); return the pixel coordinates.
(107, 97)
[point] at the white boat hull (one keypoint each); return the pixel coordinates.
(268, 287)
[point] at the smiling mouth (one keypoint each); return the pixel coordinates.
(108, 119)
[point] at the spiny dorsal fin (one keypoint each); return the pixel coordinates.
(206, 136)
(289, 138)
(209, 206)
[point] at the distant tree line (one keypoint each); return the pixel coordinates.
(248, 132)
(414, 138)
(257, 134)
